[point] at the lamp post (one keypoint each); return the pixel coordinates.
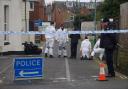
(95, 16)
(78, 14)
(95, 21)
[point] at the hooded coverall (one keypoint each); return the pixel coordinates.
(62, 39)
(98, 50)
(50, 37)
(85, 48)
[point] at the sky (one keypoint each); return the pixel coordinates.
(50, 1)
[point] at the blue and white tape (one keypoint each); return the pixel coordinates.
(68, 32)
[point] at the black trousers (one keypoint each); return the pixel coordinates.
(73, 50)
(109, 61)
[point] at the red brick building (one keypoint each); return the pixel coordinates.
(58, 16)
(85, 11)
(61, 13)
(37, 12)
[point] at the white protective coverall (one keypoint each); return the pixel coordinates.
(85, 48)
(98, 50)
(50, 37)
(62, 39)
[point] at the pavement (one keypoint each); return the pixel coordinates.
(61, 73)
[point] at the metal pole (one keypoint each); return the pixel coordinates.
(25, 17)
(78, 12)
(95, 21)
(95, 16)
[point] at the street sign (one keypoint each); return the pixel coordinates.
(28, 68)
(38, 22)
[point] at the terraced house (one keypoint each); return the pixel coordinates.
(14, 16)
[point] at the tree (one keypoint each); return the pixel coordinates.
(80, 18)
(110, 8)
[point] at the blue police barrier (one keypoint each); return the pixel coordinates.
(28, 68)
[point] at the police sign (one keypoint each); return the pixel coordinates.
(28, 68)
(38, 22)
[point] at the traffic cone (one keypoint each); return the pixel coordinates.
(102, 76)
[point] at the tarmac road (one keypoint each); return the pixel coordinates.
(61, 73)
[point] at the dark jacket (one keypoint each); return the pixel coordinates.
(74, 38)
(108, 40)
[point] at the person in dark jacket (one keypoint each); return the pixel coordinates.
(74, 42)
(108, 41)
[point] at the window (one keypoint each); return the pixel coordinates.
(6, 21)
(31, 5)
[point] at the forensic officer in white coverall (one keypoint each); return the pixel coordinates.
(62, 39)
(98, 50)
(50, 37)
(85, 49)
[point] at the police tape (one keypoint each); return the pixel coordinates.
(66, 32)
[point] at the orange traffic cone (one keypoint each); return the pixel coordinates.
(102, 76)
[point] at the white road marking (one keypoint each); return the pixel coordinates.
(122, 76)
(67, 70)
(62, 78)
(125, 77)
(95, 76)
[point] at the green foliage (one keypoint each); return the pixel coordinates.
(79, 18)
(77, 22)
(110, 8)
